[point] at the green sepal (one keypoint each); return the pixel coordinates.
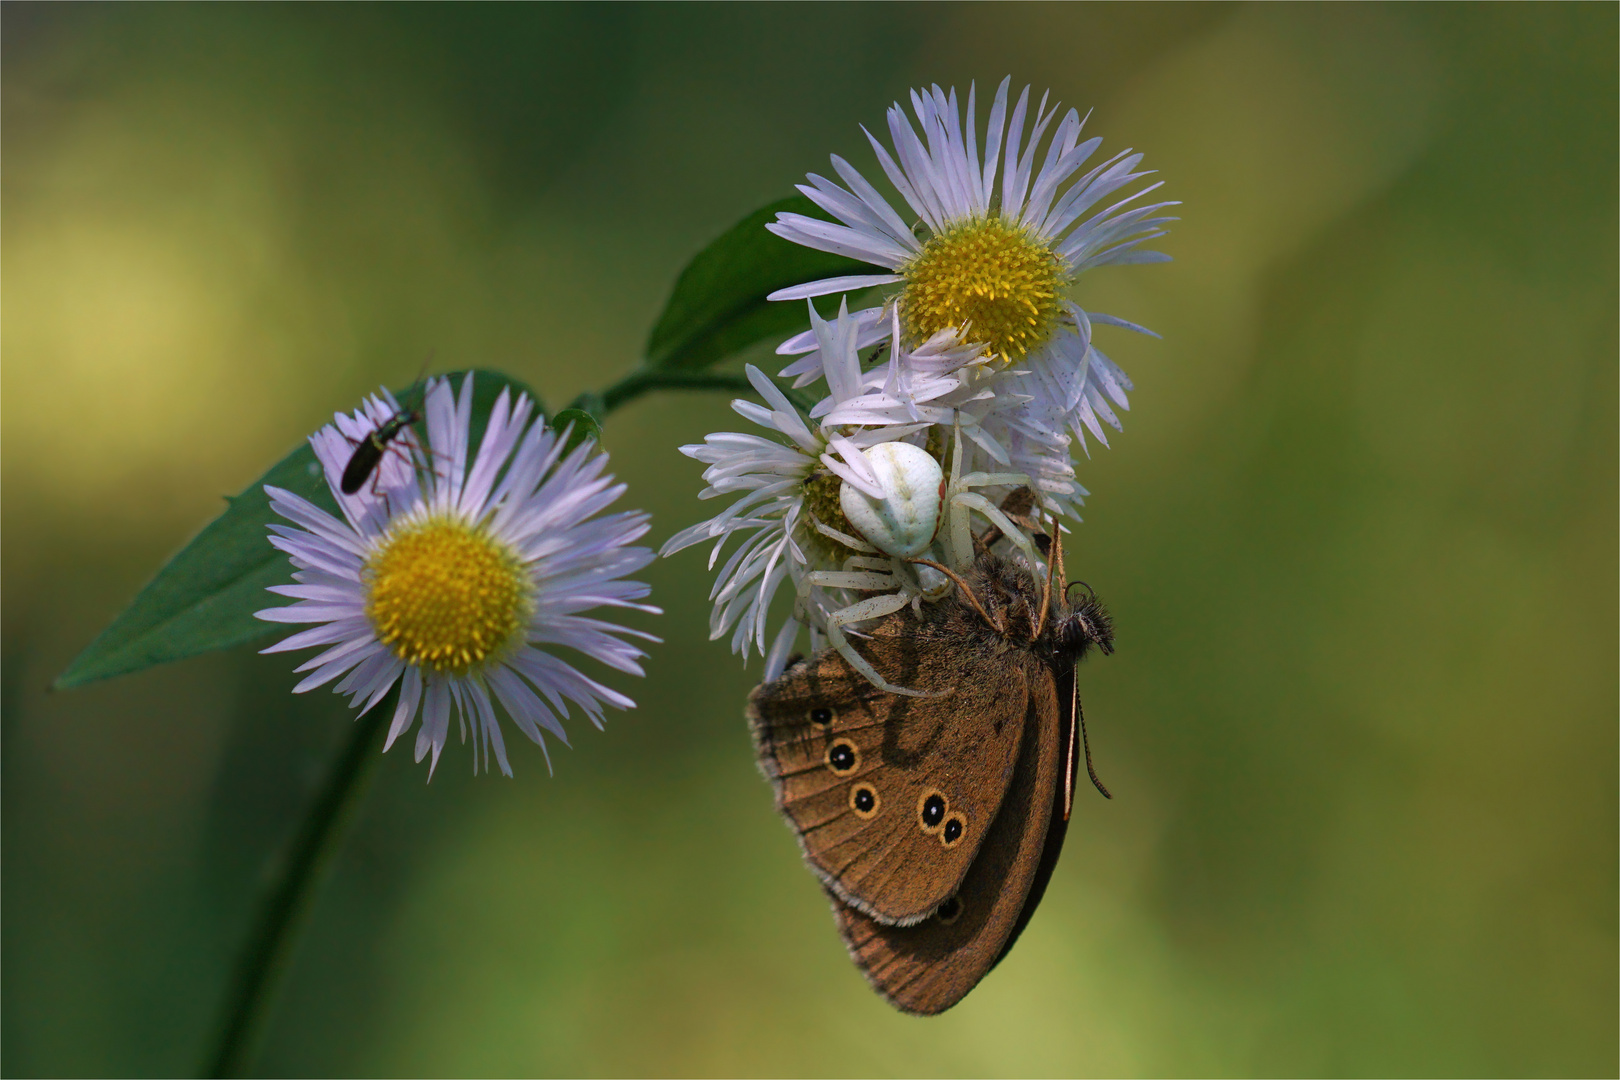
(718, 306)
(205, 596)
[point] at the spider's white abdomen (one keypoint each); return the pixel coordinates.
(903, 522)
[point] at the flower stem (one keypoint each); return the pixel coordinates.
(263, 959)
(645, 379)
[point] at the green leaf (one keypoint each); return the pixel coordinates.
(205, 597)
(719, 308)
(585, 426)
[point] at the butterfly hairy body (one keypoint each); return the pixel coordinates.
(935, 822)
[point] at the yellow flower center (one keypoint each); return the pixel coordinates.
(989, 278)
(821, 502)
(445, 595)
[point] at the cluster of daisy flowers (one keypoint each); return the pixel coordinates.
(970, 376)
(457, 580)
(457, 577)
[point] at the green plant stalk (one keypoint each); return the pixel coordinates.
(263, 958)
(645, 379)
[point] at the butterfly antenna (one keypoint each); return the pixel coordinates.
(1089, 590)
(1068, 759)
(962, 587)
(1080, 712)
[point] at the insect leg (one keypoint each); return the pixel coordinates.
(871, 608)
(1051, 571)
(1019, 538)
(962, 587)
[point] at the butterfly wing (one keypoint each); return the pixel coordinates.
(1062, 803)
(892, 796)
(928, 967)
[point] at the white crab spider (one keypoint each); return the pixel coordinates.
(902, 527)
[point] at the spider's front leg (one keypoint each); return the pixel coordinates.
(963, 501)
(864, 580)
(874, 607)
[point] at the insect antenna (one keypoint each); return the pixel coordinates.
(1080, 711)
(1016, 506)
(962, 587)
(1089, 590)
(1077, 714)
(1052, 564)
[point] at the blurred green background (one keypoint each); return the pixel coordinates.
(1359, 535)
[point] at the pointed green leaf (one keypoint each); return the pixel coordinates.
(204, 598)
(718, 306)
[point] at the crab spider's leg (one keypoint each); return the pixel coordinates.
(844, 538)
(871, 608)
(865, 562)
(984, 479)
(999, 520)
(866, 581)
(958, 535)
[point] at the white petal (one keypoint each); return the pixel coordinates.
(827, 286)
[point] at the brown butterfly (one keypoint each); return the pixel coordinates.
(935, 822)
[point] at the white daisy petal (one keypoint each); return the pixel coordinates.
(410, 693)
(1110, 320)
(866, 246)
(879, 207)
(827, 286)
(435, 723)
(898, 178)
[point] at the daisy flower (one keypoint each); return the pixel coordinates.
(789, 482)
(458, 582)
(1000, 244)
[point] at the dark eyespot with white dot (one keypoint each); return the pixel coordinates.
(950, 911)
(841, 757)
(821, 715)
(954, 828)
(933, 811)
(864, 801)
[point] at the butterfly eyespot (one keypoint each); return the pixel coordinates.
(842, 757)
(864, 801)
(931, 811)
(949, 911)
(821, 716)
(954, 828)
